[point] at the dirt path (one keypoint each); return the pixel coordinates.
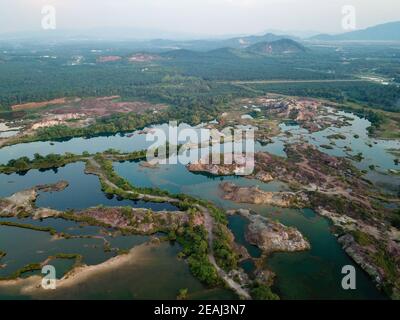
(209, 223)
(140, 196)
(292, 81)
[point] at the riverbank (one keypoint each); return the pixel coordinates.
(180, 226)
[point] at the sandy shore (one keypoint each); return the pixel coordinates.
(32, 286)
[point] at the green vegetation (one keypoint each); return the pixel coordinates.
(53, 161)
(50, 230)
(39, 162)
(389, 267)
(121, 252)
(262, 292)
(377, 119)
(195, 249)
(68, 256)
(192, 239)
(122, 184)
(373, 95)
(70, 215)
(224, 255)
(340, 205)
(337, 136)
(395, 219)
(362, 238)
(358, 157)
(195, 85)
(78, 258)
(182, 295)
(19, 273)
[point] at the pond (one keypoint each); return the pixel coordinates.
(312, 274)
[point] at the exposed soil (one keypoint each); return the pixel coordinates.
(142, 57)
(105, 106)
(254, 195)
(271, 236)
(104, 59)
(37, 105)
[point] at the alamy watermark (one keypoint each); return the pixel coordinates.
(49, 18)
(49, 281)
(349, 280)
(349, 20)
(230, 147)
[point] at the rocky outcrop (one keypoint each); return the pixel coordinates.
(340, 221)
(55, 187)
(254, 195)
(264, 177)
(149, 164)
(361, 255)
(271, 236)
(140, 221)
(375, 248)
(19, 202)
(23, 202)
(265, 276)
(230, 164)
(241, 252)
(217, 170)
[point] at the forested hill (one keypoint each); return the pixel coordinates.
(189, 78)
(383, 32)
(278, 47)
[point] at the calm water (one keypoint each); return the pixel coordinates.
(375, 152)
(312, 274)
(370, 148)
(135, 280)
(123, 142)
(24, 246)
(83, 191)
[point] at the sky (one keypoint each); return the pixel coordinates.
(197, 17)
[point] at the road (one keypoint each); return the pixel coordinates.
(208, 224)
(293, 81)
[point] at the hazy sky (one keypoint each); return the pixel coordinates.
(197, 17)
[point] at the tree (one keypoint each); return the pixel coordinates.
(183, 294)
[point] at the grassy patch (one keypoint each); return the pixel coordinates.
(28, 268)
(262, 292)
(362, 238)
(50, 230)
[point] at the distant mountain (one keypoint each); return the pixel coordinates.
(98, 34)
(224, 52)
(383, 32)
(141, 38)
(181, 53)
(243, 42)
(265, 48)
(214, 44)
(278, 47)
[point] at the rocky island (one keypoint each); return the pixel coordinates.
(254, 195)
(271, 236)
